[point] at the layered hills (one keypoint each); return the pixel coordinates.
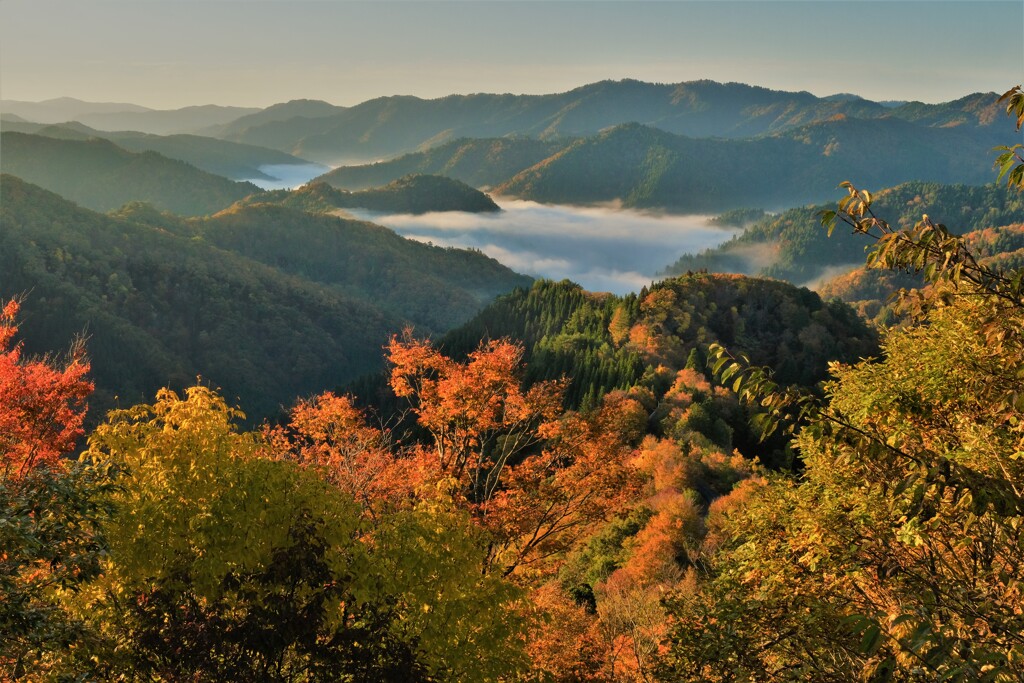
(390, 126)
(232, 160)
(123, 116)
(794, 246)
(100, 175)
(163, 299)
(645, 167)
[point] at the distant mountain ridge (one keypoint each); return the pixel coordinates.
(124, 116)
(232, 160)
(389, 126)
(284, 111)
(64, 109)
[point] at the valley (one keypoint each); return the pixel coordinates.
(513, 342)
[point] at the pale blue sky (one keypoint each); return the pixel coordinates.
(172, 53)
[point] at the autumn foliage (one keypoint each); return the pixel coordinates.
(42, 403)
(535, 475)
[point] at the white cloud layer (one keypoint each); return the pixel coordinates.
(603, 249)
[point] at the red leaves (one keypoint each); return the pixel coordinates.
(534, 475)
(477, 413)
(330, 434)
(42, 404)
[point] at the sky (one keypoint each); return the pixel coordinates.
(173, 53)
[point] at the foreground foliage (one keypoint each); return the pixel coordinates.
(898, 554)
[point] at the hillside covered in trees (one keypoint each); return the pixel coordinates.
(792, 245)
(162, 299)
(101, 176)
(414, 194)
(720, 478)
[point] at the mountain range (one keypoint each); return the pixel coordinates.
(389, 126)
(162, 299)
(121, 116)
(230, 159)
(699, 146)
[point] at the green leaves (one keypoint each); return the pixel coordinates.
(783, 407)
(1010, 164)
(1014, 98)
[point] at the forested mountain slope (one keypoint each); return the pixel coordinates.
(601, 342)
(100, 175)
(162, 299)
(647, 168)
(409, 194)
(793, 245)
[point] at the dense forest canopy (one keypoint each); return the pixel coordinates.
(719, 478)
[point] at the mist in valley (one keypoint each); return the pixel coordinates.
(287, 176)
(602, 249)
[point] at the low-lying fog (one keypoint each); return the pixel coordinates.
(287, 176)
(605, 250)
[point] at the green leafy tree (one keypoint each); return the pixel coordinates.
(898, 555)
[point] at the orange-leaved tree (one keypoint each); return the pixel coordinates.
(49, 515)
(478, 415)
(535, 475)
(42, 403)
(330, 434)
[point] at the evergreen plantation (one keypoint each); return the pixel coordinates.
(248, 438)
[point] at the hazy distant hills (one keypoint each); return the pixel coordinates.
(99, 175)
(163, 299)
(480, 162)
(64, 109)
(389, 126)
(120, 116)
(286, 111)
(794, 246)
(229, 159)
(410, 194)
(649, 168)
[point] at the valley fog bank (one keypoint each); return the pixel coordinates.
(287, 176)
(604, 250)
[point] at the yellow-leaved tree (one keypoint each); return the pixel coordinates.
(899, 553)
(229, 560)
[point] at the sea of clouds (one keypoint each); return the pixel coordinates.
(604, 249)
